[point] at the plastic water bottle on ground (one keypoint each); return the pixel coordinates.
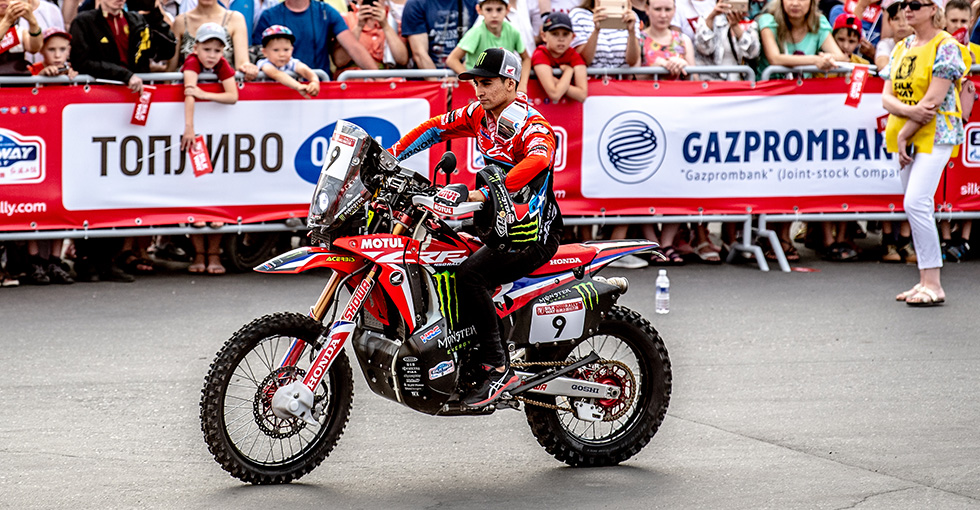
(663, 292)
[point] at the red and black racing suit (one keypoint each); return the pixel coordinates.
(524, 147)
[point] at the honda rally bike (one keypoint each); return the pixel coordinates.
(595, 376)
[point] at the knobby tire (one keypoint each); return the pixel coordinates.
(340, 391)
(651, 401)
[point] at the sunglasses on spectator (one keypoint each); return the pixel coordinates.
(899, 6)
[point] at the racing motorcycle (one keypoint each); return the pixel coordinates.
(595, 376)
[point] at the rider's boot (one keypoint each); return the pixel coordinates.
(490, 386)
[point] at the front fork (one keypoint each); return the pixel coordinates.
(296, 399)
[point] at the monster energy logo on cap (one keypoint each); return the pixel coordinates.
(495, 62)
(448, 302)
(588, 293)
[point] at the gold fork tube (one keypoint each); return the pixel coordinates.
(326, 298)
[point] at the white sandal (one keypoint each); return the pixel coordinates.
(933, 298)
(909, 293)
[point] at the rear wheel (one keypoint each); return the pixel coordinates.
(241, 431)
(633, 357)
(244, 251)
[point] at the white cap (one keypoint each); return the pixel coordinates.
(209, 31)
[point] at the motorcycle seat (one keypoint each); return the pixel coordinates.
(568, 257)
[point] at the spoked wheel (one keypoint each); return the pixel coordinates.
(241, 431)
(633, 357)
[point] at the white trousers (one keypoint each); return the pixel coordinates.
(920, 180)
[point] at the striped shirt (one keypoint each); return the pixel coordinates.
(610, 49)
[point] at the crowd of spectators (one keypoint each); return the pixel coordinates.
(287, 39)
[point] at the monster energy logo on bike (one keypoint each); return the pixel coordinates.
(588, 293)
(448, 302)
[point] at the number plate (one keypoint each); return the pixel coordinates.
(561, 320)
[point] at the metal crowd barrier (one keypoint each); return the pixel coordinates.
(84, 79)
(840, 69)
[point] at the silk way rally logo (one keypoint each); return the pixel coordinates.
(632, 146)
(21, 158)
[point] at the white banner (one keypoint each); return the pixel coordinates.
(263, 152)
(734, 146)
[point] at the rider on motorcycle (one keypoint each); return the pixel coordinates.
(516, 138)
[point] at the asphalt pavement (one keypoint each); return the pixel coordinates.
(791, 390)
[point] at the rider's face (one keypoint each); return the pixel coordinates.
(494, 93)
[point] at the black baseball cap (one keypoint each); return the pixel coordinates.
(557, 20)
(495, 62)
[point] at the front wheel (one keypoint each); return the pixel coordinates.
(242, 433)
(634, 358)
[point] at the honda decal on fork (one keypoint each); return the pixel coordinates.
(340, 331)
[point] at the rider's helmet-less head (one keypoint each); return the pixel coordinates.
(493, 63)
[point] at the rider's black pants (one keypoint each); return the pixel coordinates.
(479, 275)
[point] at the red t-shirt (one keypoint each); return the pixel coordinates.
(223, 69)
(543, 56)
(120, 32)
(35, 69)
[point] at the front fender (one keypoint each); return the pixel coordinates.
(311, 257)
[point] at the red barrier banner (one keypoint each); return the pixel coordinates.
(962, 177)
(71, 158)
(666, 147)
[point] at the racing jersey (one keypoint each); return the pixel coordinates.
(522, 145)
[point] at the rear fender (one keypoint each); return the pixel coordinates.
(312, 257)
(608, 251)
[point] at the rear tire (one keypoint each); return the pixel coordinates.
(242, 252)
(244, 436)
(631, 424)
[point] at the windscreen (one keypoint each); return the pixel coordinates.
(340, 192)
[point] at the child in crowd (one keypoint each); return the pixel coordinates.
(556, 53)
(662, 46)
(958, 24)
(899, 28)
(494, 32)
(208, 56)
(847, 34)
(277, 48)
(55, 51)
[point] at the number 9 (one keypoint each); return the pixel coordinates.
(559, 323)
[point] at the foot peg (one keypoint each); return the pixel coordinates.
(507, 402)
